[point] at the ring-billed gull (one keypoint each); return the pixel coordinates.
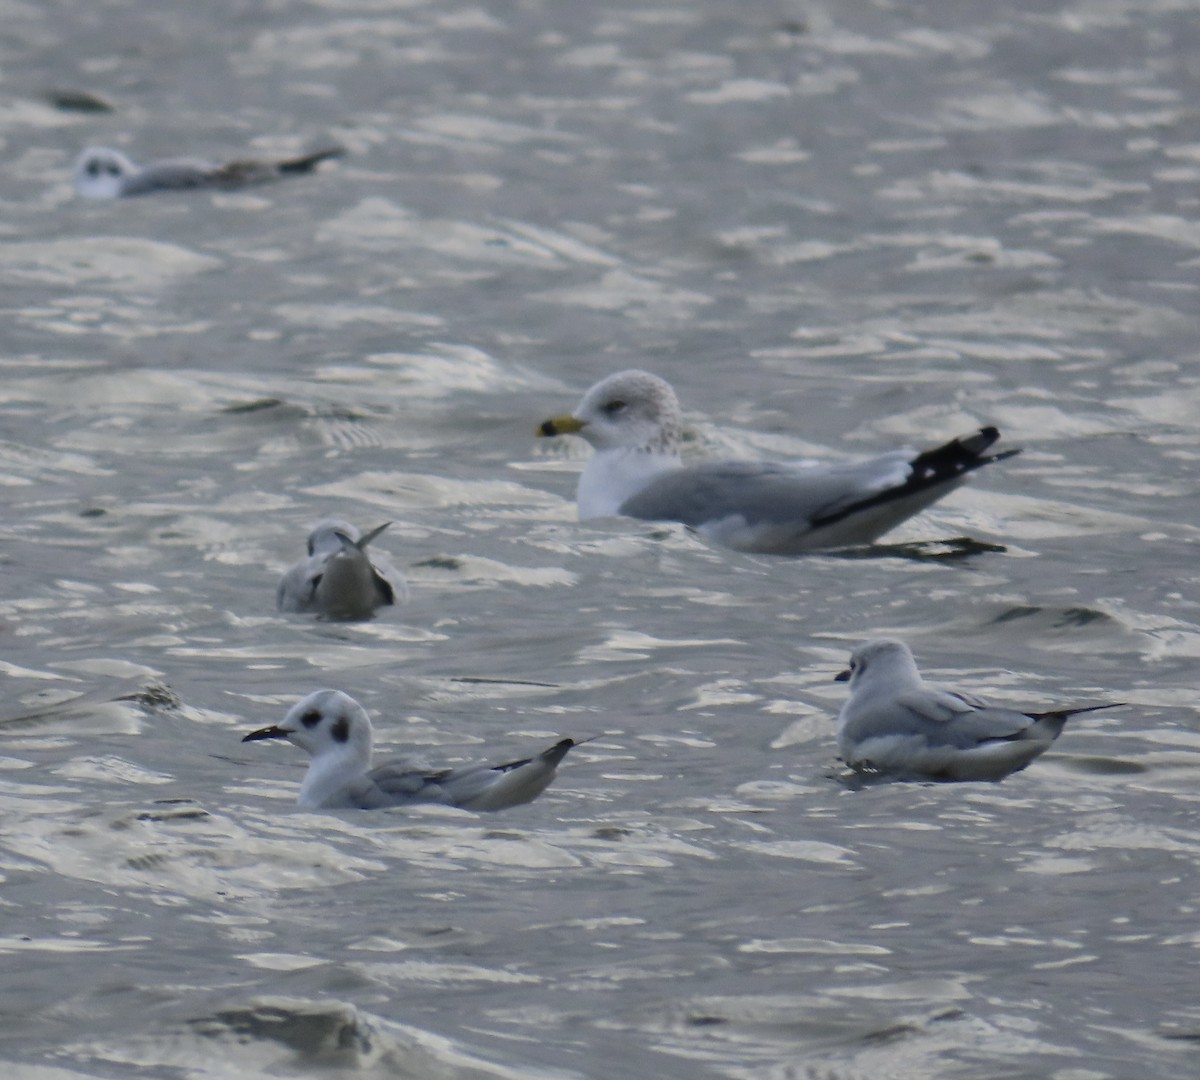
(103, 173)
(337, 733)
(895, 722)
(632, 420)
(339, 580)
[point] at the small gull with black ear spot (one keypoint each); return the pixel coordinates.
(103, 173)
(336, 732)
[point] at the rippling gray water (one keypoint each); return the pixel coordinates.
(835, 228)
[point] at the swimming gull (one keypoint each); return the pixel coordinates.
(337, 733)
(896, 722)
(339, 580)
(103, 173)
(633, 421)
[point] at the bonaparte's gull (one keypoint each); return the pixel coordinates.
(633, 421)
(337, 733)
(895, 722)
(103, 173)
(339, 580)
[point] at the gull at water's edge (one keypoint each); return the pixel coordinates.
(336, 732)
(895, 722)
(633, 421)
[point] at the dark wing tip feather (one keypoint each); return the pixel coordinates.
(557, 752)
(958, 456)
(308, 162)
(551, 757)
(1066, 714)
(941, 465)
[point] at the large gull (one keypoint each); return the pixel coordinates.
(632, 420)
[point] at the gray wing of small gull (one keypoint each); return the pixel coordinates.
(168, 176)
(389, 582)
(239, 174)
(398, 781)
(764, 491)
(949, 718)
(477, 787)
(178, 175)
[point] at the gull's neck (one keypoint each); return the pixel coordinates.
(331, 772)
(611, 476)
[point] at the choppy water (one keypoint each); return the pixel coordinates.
(835, 228)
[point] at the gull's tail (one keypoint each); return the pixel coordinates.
(308, 162)
(550, 757)
(1047, 726)
(522, 781)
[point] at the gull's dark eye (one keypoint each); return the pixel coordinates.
(113, 169)
(93, 168)
(613, 407)
(311, 718)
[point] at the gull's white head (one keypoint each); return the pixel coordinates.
(631, 410)
(881, 658)
(336, 732)
(324, 538)
(100, 172)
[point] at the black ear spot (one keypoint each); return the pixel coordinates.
(311, 718)
(341, 730)
(93, 168)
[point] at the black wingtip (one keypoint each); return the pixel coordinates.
(945, 464)
(310, 161)
(557, 752)
(1066, 714)
(958, 457)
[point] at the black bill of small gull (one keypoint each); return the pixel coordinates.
(339, 579)
(894, 722)
(103, 173)
(336, 732)
(633, 421)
